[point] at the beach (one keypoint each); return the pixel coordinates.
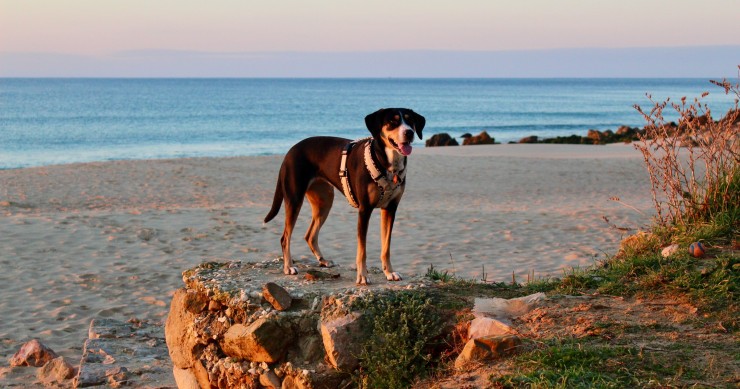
(110, 239)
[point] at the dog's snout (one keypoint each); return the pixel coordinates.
(409, 134)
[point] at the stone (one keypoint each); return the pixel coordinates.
(146, 234)
(485, 326)
(182, 341)
(262, 341)
(311, 349)
(481, 139)
(116, 356)
(185, 378)
(269, 380)
(491, 347)
(33, 353)
(595, 137)
(55, 371)
(669, 250)
(442, 139)
(105, 328)
(277, 296)
(529, 139)
(341, 339)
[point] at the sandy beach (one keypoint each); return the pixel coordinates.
(111, 239)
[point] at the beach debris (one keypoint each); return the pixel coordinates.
(277, 296)
(669, 250)
(490, 347)
(697, 250)
(55, 371)
(340, 341)
(485, 326)
(262, 341)
(33, 353)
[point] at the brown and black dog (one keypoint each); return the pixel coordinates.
(311, 168)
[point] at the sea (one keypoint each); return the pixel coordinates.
(60, 121)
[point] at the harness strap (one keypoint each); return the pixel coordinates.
(344, 175)
(387, 187)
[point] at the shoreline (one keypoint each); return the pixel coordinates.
(110, 239)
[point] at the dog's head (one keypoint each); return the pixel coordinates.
(394, 127)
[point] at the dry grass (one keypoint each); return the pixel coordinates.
(693, 163)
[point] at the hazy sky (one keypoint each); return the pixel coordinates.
(103, 28)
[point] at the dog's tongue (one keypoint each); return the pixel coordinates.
(405, 149)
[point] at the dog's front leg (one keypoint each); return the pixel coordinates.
(363, 220)
(387, 217)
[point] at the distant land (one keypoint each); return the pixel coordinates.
(660, 62)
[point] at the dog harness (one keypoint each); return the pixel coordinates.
(388, 187)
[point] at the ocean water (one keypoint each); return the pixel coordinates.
(56, 121)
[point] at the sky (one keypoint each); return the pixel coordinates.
(195, 37)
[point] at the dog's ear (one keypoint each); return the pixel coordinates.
(374, 122)
(419, 122)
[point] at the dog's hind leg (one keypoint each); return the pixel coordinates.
(321, 197)
(293, 205)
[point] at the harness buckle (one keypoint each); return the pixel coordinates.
(343, 173)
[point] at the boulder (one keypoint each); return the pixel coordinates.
(442, 139)
(529, 139)
(262, 341)
(182, 341)
(341, 344)
(481, 139)
(278, 297)
(595, 137)
(33, 353)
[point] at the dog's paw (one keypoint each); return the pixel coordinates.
(290, 271)
(362, 279)
(325, 263)
(393, 276)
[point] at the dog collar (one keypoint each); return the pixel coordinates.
(388, 187)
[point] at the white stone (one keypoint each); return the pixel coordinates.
(669, 250)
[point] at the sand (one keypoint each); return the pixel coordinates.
(111, 239)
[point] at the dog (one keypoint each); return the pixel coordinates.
(369, 172)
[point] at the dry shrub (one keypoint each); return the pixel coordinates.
(693, 165)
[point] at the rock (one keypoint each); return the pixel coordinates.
(442, 139)
(146, 234)
(55, 371)
(595, 137)
(485, 326)
(268, 379)
(214, 306)
(529, 139)
(182, 341)
(481, 139)
(105, 328)
(262, 341)
(316, 275)
(669, 250)
(341, 341)
(33, 353)
(185, 378)
(278, 297)
(311, 349)
(491, 347)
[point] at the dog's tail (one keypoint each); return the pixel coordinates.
(276, 202)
